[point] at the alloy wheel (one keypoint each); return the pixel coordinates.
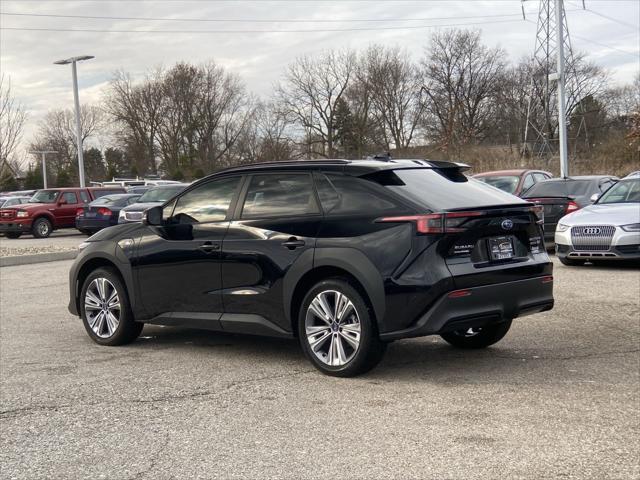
(332, 327)
(102, 307)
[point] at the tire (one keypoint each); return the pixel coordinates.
(570, 262)
(121, 328)
(346, 346)
(41, 227)
(86, 232)
(13, 235)
(478, 338)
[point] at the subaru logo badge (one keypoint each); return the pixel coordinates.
(507, 224)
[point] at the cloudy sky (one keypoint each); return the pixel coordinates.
(257, 38)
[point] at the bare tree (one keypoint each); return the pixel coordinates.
(310, 93)
(57, 132)
(136, 109)
(396, 93)
(461, 80)
(12, 121)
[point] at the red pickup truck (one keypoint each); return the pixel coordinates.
(48, 210)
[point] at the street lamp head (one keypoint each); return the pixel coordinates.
(73, 59)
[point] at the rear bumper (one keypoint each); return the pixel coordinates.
(479, 306)
(93, 224)
(16, 226)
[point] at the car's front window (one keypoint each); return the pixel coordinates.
(507, 183)
(160, 194)
(45, 196)
(625, 191)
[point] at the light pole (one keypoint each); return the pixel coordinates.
(44, 164)
(73, 61)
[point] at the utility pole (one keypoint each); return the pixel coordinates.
(560, 78)
(76, 101)
(44, 164)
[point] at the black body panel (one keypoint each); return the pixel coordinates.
(244, 272)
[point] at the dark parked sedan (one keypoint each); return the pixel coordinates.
(103, 212)
(560, 196)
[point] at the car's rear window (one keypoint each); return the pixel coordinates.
(559, 188)
(443, 190)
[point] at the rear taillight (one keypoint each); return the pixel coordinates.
(572, 207)
(104, 212)
(79, 212)
(438, 223)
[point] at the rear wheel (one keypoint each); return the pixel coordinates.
(41, 228)
(337, 331)
(570, 262)
(480, 337)
(13, 234)
(105, 309)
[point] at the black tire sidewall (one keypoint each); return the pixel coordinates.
(127, 329)
(371, 348)
(34, 227)
(13, 235)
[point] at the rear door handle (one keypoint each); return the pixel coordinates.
(208, 247)
(293, 243)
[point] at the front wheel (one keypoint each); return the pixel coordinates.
(13, 235)
(105, 309)
(480, 337)
(41, 228)
(337, 331)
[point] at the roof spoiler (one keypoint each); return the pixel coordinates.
(441, 164)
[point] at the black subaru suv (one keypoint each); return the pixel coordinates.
(347, 256)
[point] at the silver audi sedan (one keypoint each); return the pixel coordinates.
(609, 229)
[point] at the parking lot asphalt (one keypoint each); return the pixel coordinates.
(67, 237)
(558, 397)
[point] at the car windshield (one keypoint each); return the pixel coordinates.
(45, 196)
(160, 194)
(625, 191)
(561, 188)
(508, 183)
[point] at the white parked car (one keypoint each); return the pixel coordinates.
(607, 230)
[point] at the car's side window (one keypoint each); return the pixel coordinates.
(528, 182)
(70, 197)
(208, 202)
(538, 177)
(286, 194)
(84, 196)
(346, 195)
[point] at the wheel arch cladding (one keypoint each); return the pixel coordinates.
(331, 262)
(46, 216)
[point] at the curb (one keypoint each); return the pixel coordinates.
(37, 258)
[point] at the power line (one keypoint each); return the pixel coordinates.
(372, 28)
(635, 27)
(262, 20)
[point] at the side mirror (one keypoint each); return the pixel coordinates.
(152, 216)
(594, 198)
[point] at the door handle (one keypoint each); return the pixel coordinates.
(208, 247)
(293, 243)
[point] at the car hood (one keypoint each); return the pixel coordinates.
(140, 207)
(29, 206)
(612, 214)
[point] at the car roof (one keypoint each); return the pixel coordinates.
(515, 171)
(578, 177)
(351, 167)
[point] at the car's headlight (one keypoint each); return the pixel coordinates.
(22, 214)
(633, 227)
(562, 227)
